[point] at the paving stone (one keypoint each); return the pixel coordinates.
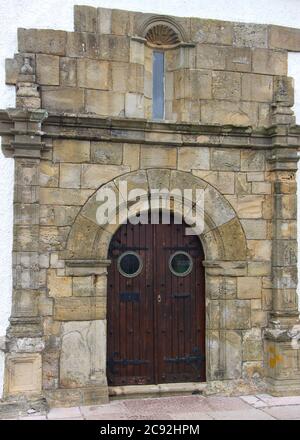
(250, 414)
(288, 412)
(64, 413)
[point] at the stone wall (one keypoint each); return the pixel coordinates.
(83, 121)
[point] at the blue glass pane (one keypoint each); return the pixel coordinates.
(158, 85)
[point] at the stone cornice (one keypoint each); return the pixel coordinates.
(91, 127)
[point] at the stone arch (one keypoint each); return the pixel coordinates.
(162, 31)
(223, 237)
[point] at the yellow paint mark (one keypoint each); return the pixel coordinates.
(275, 358)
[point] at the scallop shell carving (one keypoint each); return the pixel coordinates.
(162, 35)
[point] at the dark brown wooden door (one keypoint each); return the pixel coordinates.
(156, 306)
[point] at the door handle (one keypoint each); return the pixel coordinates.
(158, 298)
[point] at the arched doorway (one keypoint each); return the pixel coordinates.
(156, 306)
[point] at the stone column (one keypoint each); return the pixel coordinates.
(282, 338)
(25, 336)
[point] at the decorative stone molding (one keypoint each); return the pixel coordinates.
(159, 30)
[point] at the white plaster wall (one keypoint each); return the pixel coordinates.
(55, 14)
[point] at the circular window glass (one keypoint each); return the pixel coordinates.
(130, 264)
(181, 264)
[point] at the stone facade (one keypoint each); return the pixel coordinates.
(83, 121)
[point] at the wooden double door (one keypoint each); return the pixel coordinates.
(156, 306)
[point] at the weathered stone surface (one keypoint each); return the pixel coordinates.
(257, 88)
(82, 44)
(65, 150)
(68, 72)
(236, 314)
(114, 48)
(85, 19)
(63, 99)
(248, 287)
(83, 286)
(70, 175)
(233, 354)
(284, 38)
(51, 215)
(226, 112)
(42, 41)
(59, 287)
(134, 105)
(61, 196)
(159, 179)
(242, 186)
(52, 238)
(49, 174)
(250, 35)
(255, 229)
(252, 345)
(47, 70)
(82, 360)
(222, 181)
(259, 268)
(225, 160)
(247, 207)
(93, 74)
(252, 160)
(79, 309)
(105, 103)
(193, 158)
(191, 84)
(226, 85)
(93, 176)
(211, 57)
(219, 287)
(131, 156)
(211, 31)
(261, 188)
(106, 153)
(216, 207)
(259, 250)
(137, 52)
(238, 59)
(158, 157)
(232, 233)
(269, 62)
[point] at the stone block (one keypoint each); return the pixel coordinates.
(285, 252)
(131, 156)
(53, 238)
(44, 41)
(79, 309)
(114, 48)
(250, 35)
(68, 72)
(223, 181)
(211, 57)
(259, 268)
(228, 113)
(58, 215)
(219, 211)
(82, 45)
(242, 186)
(137, 52)
(93, 74)
(193, 158)
(260, 250)
(252, 345)
(226, 85)
(239, 59)
(284, 38)
(104, 18)
(26, 238)
(221, 287)
(25, 303)
(269, 62)
(23, 374)
(236, 314)
(249, 287)
(49, 174)
(47, 70)
(83, 286)
(85, 19)
(255, 176)
(255, 229)
(73, 151)
(93, 176)
(232, 233)
(232, 341)
(106, 153)
(257, 87)
(211, 31)
(59, 287)
(105, 103)
(191, 84)
(70, 175)
(119, 76)
(11, 71)
(63, 99)
(261, 188)
(82, 360)
(286, 207)
(158, 157)
(134, 105)
(26, 173)
(286, 229)
(122, 22)
(26, 214)
(252, 160)
(61, 196)
(225, 160)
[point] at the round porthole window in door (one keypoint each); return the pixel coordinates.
(181, 264)
(130, 264)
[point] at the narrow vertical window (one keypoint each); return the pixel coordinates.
(158, 85)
